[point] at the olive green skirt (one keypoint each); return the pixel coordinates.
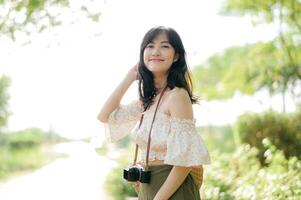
(187, 191)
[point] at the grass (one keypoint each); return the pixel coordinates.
(16, 161)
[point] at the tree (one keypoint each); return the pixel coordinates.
(275, 64)
(27, 16)
(222, 75)
(287, 14)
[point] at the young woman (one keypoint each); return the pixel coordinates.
(177, 152)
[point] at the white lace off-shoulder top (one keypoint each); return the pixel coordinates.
(174, 140)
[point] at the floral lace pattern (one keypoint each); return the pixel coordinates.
(174, 140)
(122, 120)
(184, 146)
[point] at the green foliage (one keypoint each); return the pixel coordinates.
(24, 150)
(103, 149)
(275, 65)
(223, 74)
(4, 97)
(24, 15)
(93, 16)
(218, 138)
(266, 11)
(27, 138)
(115, 185)
(27, 16)
(282, 129)
(247, 69)
(15, 161)
(239, 175)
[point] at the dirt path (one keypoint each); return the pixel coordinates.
(78, 177)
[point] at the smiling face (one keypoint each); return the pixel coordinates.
(159, 54)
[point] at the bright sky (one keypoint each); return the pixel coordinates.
(62, 78)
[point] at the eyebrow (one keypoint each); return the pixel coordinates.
(165, 41)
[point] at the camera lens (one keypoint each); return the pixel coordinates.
(133, 174)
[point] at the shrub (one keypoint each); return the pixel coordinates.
(20, 160)
(240, 175)
(218, 138)
(25, 138)
(22, 151)
(282, 129)
(115, 185)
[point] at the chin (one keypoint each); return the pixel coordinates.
(157, 68)
(158, 72)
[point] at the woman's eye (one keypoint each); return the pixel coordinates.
(165, 46)
(150, 46)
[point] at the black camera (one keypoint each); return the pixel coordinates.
(136, 173)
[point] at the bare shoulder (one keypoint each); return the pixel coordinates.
(180, 104)
(178, 91)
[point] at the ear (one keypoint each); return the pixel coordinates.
(176, 57)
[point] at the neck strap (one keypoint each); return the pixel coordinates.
(149, 134)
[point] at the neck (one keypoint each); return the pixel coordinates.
(160, 83)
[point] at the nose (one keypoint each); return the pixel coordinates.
(156, 51)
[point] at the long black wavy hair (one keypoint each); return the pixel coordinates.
(178, 74)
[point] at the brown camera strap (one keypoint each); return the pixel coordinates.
(149, 134)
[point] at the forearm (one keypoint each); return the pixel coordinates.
(114, 99)
(175, 178)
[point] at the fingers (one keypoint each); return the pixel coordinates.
(135, 185)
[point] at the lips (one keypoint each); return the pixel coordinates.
(156, 59)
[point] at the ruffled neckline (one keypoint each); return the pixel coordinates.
(169, 117)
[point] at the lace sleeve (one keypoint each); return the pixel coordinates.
(184, 146)
(122, 120)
